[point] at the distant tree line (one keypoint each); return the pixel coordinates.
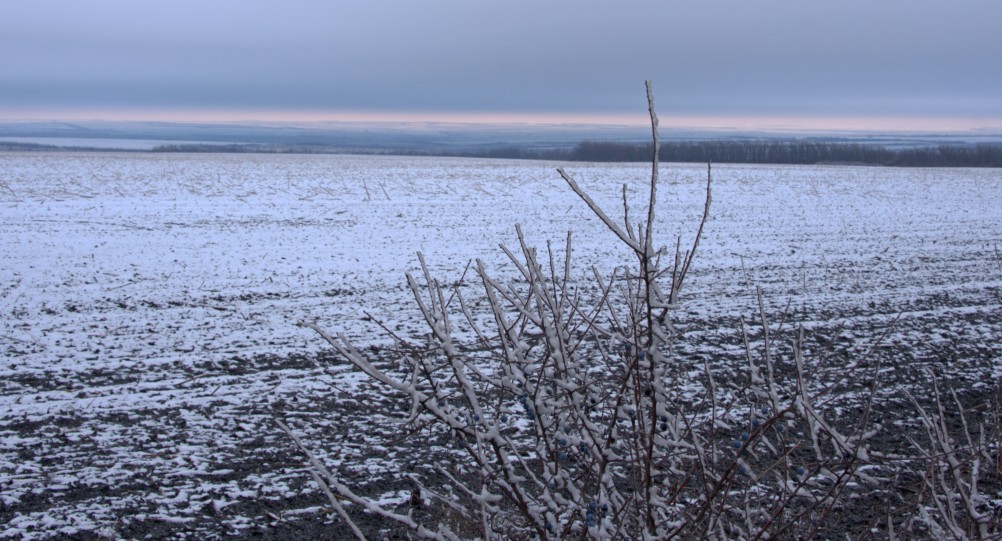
(807, 152)
(14, 146)
(750, 151)
(794, 152)
(769, 152)
(980, 155)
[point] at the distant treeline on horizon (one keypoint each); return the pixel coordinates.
(751, 151)
(767, 152)
(798, 152)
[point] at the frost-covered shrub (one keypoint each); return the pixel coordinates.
(573, 419)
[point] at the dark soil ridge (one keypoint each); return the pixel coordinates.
(228, 472)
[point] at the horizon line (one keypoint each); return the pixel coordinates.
(711, 122)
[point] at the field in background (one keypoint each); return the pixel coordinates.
(149, 304)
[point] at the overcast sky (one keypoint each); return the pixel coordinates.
(731, 60)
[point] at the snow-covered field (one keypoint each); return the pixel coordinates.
(148, 307)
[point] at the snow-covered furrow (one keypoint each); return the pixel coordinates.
(148, 337)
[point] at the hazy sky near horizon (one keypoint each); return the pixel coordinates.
(742, 60)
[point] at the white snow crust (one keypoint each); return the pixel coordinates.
(148, 303)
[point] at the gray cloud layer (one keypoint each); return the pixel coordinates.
(763, 57)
